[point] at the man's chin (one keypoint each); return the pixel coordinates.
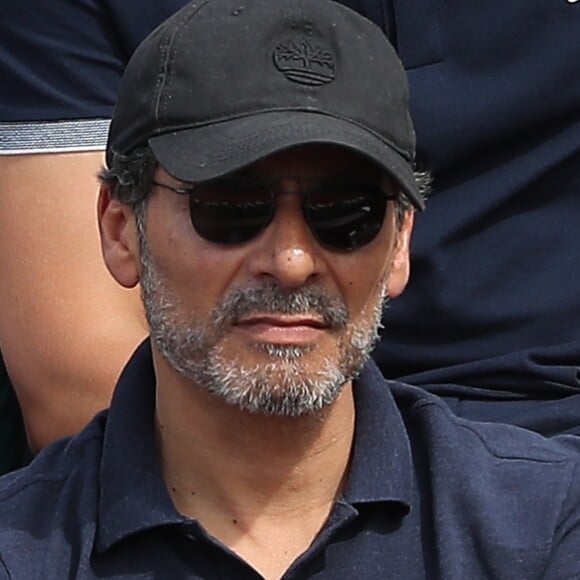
(285, 386)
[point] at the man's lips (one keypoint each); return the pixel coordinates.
(282, 329)
(282, 320)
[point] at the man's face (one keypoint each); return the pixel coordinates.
(278, 324)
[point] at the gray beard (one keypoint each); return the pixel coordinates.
(283, 387)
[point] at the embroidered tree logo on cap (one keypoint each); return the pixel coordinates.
(304, 62)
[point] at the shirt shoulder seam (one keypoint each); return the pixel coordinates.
(557, 457)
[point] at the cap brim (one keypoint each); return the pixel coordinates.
(209, 151)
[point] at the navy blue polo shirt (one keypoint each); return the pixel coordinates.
(429, 495)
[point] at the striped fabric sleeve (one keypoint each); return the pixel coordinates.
(19, 138)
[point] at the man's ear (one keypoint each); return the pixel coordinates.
(400, 262)
(119, 241)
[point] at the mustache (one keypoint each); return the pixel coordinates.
(271, 299)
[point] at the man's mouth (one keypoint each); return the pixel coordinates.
(282, 329)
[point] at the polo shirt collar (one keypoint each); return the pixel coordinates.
(133, 493)
(381, 469)
(134, 497)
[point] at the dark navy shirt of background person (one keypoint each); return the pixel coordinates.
(429, 495)
(64, 60)
(491, 317)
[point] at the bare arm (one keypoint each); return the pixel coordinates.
(66, 328)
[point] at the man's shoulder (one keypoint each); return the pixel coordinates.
(513, 494)
(498, 442)
(57, 492)
(66, 458)
(471, 448)
(497, 465)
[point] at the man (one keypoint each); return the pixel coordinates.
(260, 189)
(496, 341)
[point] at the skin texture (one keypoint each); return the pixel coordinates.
(66, 328)
(263, 485)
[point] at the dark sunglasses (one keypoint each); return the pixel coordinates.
(343, 214)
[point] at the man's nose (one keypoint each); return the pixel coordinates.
(287, 250)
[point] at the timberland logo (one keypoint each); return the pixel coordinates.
(305, 62)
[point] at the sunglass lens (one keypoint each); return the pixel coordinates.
(230, 210)
(346, 216)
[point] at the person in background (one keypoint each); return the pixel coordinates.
(252, 436)
(65, 330)
(490, 318)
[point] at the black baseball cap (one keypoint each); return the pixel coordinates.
(224, 83)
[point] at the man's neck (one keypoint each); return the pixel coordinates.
(248, 477)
